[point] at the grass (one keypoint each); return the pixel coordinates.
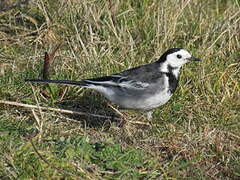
(194, 136)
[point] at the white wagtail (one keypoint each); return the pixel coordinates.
(141, 88)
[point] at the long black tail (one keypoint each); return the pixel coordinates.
(67, 82)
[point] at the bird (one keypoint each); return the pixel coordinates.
(144, 88)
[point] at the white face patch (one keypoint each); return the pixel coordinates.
(178, 58)
(175, 60)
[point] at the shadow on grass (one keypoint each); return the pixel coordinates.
(92, 103)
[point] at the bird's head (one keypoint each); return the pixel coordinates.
(176, 57)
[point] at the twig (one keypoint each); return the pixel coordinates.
(46, 66)
(66, 111)
(54, 109)
(48, 60)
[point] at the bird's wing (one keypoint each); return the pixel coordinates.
(117, 80)
(139, 77)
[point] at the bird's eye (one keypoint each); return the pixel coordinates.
(179, 56)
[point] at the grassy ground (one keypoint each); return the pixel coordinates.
(196, 135)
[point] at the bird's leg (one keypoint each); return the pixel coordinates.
(149, 115)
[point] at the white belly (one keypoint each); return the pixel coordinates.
(146, 103)
(155, 101)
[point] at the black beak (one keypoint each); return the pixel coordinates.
(194, 59)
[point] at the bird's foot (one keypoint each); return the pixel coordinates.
(149, 115)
